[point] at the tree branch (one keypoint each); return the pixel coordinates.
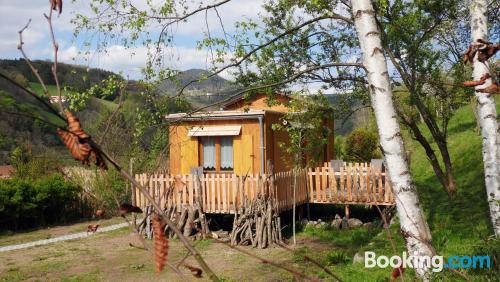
(264, 45)
(56, 49)
(27, 60)
(205, 8)
(288, 80)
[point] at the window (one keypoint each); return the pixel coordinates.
(208, 153)
(217, 153)
(226, 153)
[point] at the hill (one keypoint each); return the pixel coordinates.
(211, 85)
(74, 76)
(16, 128)
(199, 94)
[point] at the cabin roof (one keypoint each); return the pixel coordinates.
(217, 115)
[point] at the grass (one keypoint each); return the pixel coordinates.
(459, 226)
(38, 89)
(10, 238)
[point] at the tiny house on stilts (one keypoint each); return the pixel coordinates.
(230, 161)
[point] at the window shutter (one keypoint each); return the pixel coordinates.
(189, 154)
(243, 154)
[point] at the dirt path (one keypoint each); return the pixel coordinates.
(73, 236)
(109, 256)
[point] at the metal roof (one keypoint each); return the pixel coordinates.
(216, 115)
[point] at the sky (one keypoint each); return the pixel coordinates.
(14, 14)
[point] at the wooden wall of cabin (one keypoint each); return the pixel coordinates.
(184, 150)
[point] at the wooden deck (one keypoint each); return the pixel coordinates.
(354, 183)
(224, 193)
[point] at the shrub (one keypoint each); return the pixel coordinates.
(361, 146)
(30, 203)
(339, 147)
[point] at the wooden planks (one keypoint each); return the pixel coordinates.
(353, 183)
(224, 193)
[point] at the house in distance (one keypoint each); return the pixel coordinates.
(237, 139)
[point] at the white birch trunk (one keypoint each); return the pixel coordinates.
(487, 115)
(413, 223)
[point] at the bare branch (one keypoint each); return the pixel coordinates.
(27, 60)
(55, 46)
(146, 247)
(204, 8)
(288, 80)
(112, 117)
(264, 45)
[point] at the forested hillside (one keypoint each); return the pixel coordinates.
(76, 77)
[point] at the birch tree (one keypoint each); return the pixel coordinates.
(487, 113)
(413, 223)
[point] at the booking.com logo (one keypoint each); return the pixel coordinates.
(435, 263)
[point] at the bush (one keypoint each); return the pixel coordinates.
(27, 203)
(361, 146)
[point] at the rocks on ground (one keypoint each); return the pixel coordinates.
(337, 223)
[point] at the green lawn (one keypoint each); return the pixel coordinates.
(459, 226)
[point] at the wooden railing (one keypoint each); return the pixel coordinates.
(224, 193)
(220, 193)
(353, 183)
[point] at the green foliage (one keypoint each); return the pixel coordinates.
(15, 75)
(29, 166)
(351, 239)
(489, 246)
(337, 257)
(108, 188)
(108, 89)
(361, 146)
(31, 203)
(307, 129)
(339, 147)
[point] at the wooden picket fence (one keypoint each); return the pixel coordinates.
(224, 193)
(353, 183)
(220, 193)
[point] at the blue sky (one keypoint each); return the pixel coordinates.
(14, 14)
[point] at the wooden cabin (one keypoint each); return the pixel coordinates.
(237, 139)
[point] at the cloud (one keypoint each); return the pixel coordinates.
(230, 13)
(15, 14)
(131, 60)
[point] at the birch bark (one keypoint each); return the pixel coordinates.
(487, 116)
(413, 223)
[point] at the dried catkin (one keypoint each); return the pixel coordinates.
(161, 243)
